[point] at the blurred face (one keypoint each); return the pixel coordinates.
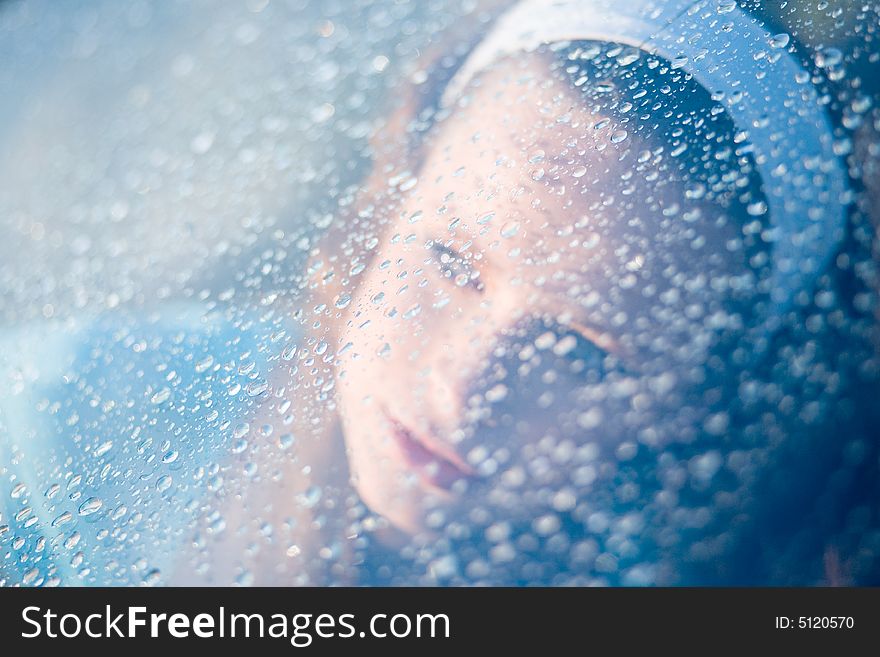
(541, 283)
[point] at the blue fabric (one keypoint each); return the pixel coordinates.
(110, 433)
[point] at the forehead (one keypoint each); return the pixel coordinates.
(523, 159)
(519, 156)
(520, 114)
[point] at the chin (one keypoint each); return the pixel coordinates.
(383, 490)
(386, 484)
(395, 504)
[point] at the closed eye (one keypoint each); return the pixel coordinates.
(456, 268)
(582, 352)
(580, 347)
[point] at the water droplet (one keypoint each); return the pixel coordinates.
(30, 576)
(163, 483)
(757, 208)
(628, 58)
(537, 157)
(240, 430)
(679, 150)
(705, 465)
(590, 419)
(311, 497)
(695, 191)
(546, 525)
(565, 345)
(545, 340)
(509, 229)
(323, 112)
(202, 143)
(103, 448)
(18, 491)
(861, 104)
(288, 352)
(779, 40)
(256, 388)
(152, 577)
(726, 6)
(90, 506)
(408, 184)
(72, 541)
(496, 393)
(204, 364)
(245, 579)
(828, 58)
(618, 136)
(161, 396)
(717, 424)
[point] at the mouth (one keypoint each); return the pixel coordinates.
(435, 465)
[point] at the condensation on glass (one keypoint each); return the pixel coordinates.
(395, 293)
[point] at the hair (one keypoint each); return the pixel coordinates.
(665, 108)
(808, 514)
(700, 162)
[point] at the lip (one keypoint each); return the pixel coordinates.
(434, 464)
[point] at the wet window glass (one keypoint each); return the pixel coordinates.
(554, 292)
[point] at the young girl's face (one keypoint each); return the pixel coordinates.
(543, 284)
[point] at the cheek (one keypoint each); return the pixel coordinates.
(379, 345)
(403, 322)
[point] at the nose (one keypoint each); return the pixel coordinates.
(479, 384)
(453, 373)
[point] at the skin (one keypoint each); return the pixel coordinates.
(520, 226)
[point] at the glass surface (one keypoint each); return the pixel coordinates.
(286, 298)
